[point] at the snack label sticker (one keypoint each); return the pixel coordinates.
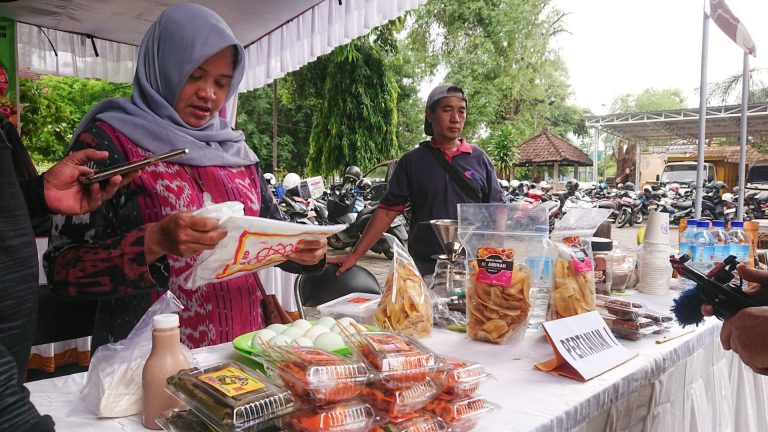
(580, 259)
(388, 343)
(231, 381)
(311, 355)
(358, 300)
(495, 266)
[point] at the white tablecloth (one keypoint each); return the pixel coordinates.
(688, 384)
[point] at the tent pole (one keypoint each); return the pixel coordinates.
(702, 116)
(274, 126)
(743, 136)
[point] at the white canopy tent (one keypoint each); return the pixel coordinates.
(280, 36)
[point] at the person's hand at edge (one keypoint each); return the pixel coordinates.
(757, 286)
(65, 194)
(345, 262)
(309, 251)
(745, 334)
(181, 234)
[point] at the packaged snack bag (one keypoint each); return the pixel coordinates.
(573, 292)
(406, 304)
(252, 243)
(496, 238)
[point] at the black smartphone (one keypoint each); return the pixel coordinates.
(127, 167)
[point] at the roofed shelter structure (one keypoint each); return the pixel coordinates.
(547, 149)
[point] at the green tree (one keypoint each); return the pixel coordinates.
(499, 52)
(356, 121)
(649, 100)
(52, 107)
(502, 147)
(728, 91)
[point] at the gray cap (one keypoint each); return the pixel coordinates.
(437, 93)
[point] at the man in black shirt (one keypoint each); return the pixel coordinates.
(58, 190)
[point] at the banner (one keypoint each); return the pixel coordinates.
(730, 25)
(8, 70)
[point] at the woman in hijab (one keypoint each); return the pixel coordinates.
(146, 238)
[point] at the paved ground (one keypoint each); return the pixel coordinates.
(626, 237)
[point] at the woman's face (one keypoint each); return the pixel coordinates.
(206, 89)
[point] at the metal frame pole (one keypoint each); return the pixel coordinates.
(743, 136)
(594, 165)
(702, 116)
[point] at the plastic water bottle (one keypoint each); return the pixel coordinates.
(703, 248)
(540, 261)
(685, 248)
(739, 241)
(722, 241)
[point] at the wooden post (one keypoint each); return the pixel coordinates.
(556, 175)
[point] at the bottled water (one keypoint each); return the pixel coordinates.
(722, 241)
(540, 260)
(685, 248)
(685, 244)
(703, 248)
(739, 241)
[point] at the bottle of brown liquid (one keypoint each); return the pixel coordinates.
(164, 360)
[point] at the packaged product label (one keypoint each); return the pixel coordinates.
(231, 381)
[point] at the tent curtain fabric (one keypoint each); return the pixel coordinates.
(74, 54)
(309, 35)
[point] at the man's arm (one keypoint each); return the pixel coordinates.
(380, 222)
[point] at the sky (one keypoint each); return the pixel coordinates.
(621, 46)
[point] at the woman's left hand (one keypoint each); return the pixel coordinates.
(309, 251)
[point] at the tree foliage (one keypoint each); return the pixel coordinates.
(648, 100)
(357, 115)
(52, 107)
(728, 91)
(499, 52)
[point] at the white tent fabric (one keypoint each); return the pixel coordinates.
(310, 34)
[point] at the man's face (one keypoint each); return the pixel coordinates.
(448, 118)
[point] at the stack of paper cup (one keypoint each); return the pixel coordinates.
(653, 267)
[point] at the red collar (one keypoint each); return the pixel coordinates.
(464, 147)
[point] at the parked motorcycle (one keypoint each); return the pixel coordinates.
(342, 210)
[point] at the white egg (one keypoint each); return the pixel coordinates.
(315, 331)
(302, 341)
(326, 322)
(260, 336)
(280, 340)
(329, 341)
(277, 328)
(302, 324)
(347, 321)
(293, 332)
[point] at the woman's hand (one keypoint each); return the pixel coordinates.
(181, 234)
(309, 252)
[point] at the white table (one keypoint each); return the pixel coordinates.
(688, 384)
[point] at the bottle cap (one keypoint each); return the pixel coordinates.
(703, 224)
(718, 224)
(737, 224)
(165, 321)
(693, 222)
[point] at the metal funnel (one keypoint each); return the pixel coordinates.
(447, 231)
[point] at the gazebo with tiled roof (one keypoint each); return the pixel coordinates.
(547, 149)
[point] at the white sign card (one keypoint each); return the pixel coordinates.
(584, 347)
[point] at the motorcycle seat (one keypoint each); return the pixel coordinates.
(606, 204)
(683, 205)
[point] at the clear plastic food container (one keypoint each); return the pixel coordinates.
(399, 360)
(399, 402)
(665, 321)
(461, 415)
(317, 376)
(420, 422)
(631, 330)
(352, 416)
(459, 379)
(620, 308)
(359, 306)
(230, 396)
(188, 421)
